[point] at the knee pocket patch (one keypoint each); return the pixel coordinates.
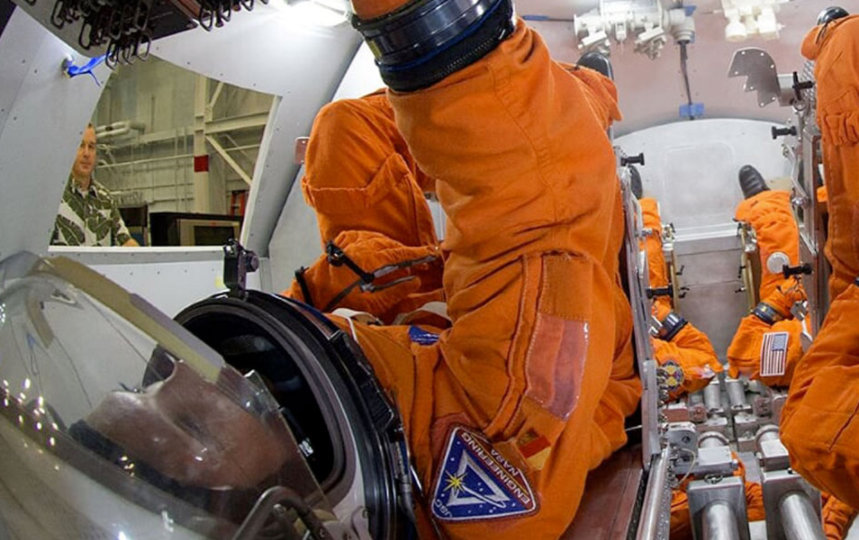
(840, 118)
(548, 355)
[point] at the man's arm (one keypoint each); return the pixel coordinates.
(119, 232)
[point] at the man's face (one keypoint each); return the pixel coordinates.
(85, 159)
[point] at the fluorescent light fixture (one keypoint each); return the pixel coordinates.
(319, 12)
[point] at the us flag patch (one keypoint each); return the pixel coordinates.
(774, 354)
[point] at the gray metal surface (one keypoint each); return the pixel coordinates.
(719, 522)
(691, 168)
(682, 438)
(713, 397)
(715, 423)
(653, 523)
(169, 278)
(637, 277)
(714, 304)
(759, 71)
(776, 486)
(715, 461)
(737, 396)
(697, 409)
(41, 12)
(800, 520)
(730, 491)
(772, 454)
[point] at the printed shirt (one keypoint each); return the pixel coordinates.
(88, 218)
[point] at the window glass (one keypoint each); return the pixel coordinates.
(175, 153)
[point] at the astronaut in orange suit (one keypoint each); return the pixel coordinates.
(506, 411)
(770, 331)
(819, 425)
(680, 348)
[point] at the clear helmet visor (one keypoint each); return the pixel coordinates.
(119, 420)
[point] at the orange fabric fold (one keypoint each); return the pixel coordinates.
(360, 175)
(771, 217)
(819, 425)
(837, 518)
(371, 251)
(836, 71)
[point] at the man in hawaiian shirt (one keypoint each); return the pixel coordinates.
(88, 215)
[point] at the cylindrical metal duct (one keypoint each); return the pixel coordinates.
(719, 522)
(765, 433)
(799, 519)
(712, 439)
(736, 392)
(713, 397)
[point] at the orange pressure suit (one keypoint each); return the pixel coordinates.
(368, 194)
(769, 214)
(819, 425)
(689, 349)
(836, 55)
(527, 391)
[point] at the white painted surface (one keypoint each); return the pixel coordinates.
(691, 168)
(171, 279)
(42, 116)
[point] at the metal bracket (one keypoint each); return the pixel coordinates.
(759, 69)
(238, 262)
(715, 423)
(772, 454)
(745, 426)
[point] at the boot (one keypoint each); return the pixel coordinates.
(751, 181)
(598, 62)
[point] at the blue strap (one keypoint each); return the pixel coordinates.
(422, 337)
(86, 69)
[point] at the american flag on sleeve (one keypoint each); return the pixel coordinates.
(774, 354)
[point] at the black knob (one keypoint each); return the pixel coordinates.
(629, 160)
(659, 291)
(779, 132)
(800, 85)
(788, 271)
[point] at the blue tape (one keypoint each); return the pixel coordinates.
(695, 110)
(86, 69)
(422, 337)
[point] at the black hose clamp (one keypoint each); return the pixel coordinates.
(671, 326)
(419, 28)
(426, 40)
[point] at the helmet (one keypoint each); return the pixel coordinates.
(830, 14)
(181, 435)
